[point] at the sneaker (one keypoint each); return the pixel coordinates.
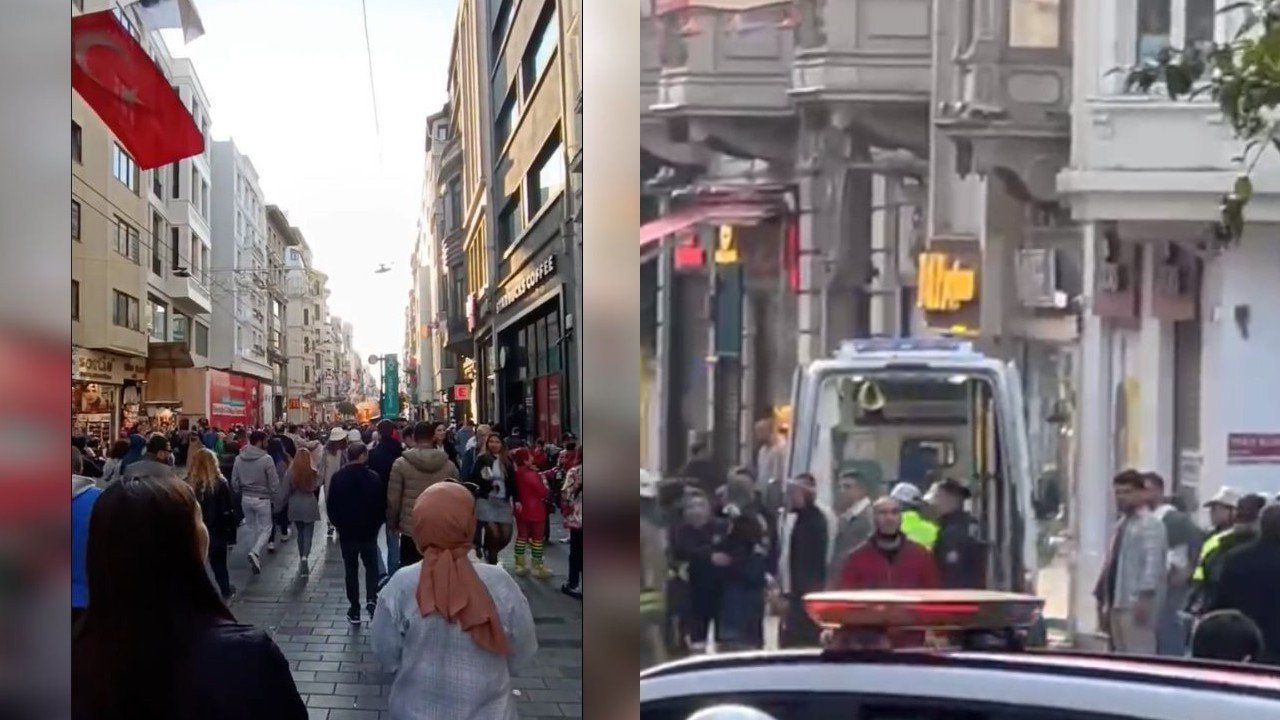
(271, 547)
(353, 615)
(541, 572)
(571, 592)
(520, 569)
(369, 607)
(303, 568)
(255, 563)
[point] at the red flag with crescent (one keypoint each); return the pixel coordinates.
(115, 76)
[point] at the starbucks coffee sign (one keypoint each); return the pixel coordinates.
(522, 285)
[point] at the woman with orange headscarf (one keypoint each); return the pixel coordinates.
(452, 631)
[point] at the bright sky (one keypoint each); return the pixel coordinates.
(288, 80)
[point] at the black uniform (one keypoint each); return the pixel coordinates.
(960, 552)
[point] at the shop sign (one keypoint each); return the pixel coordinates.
(527, 282)
(462, 393)
(94, 366)
(727, 246)
(948, 290)
(1253, 449)
(295, 403)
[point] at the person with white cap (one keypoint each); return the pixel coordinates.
(1222, 510)
(915, 525)
(333, 459)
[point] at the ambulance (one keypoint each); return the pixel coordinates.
(919, 410)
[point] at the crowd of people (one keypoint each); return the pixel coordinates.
(154, 516)
(754, 544)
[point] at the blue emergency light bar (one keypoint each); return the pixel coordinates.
(895, 346)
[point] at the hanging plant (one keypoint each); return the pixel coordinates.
(1243, 77)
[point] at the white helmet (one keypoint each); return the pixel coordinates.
(648, 484)
(731, 712)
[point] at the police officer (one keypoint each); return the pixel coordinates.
(959, 551)
(915, 525)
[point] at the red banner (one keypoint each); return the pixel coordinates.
(233, 399)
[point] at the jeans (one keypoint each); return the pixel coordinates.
(575, 556)
(306, 531)
(257, 516)
(218, 564)
(408, 551)
(360, 552)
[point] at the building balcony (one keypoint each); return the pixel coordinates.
(189, 296)
(1006, 90)
(455, 336)
(864, 51)
(1141, 157)
(711, 62)
(182, 212)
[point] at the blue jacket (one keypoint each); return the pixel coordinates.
(83, 495)
(357, 504)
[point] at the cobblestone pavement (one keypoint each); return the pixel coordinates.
(333, 662)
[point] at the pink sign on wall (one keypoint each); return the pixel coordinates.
(1253, 449)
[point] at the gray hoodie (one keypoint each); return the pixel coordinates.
(254, 474)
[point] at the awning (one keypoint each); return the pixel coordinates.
(716, 214)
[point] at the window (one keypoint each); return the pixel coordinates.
(510, 223)
(123, 168)
(306, 374)
(157, 244)
(175, 180)
(502, 20)
(175, 247)
(202, 339)
(1173, 23)
(127, 242)
(181, 328)
(543, 45)
(77, 147)
(306, 317)
(546, 177)
(75, 299)
(159, 319)
(1035, 24)
(455, 204)
(124, 311)
(75, 220)
(506, 121)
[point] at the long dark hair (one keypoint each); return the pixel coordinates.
(149, 595)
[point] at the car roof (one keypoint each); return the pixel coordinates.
(1154, 689)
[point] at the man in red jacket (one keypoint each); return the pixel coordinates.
(888, 560)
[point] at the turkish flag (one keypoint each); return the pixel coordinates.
(116, 77)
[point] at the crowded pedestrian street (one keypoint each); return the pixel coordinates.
(333, 663)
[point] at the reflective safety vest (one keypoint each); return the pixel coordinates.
(919, 529)
(652, 603)
(1206, 551)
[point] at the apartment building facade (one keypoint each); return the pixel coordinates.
(241, 279)
(278, 229)
(137, 318)
(304, 322)
(508, 102)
